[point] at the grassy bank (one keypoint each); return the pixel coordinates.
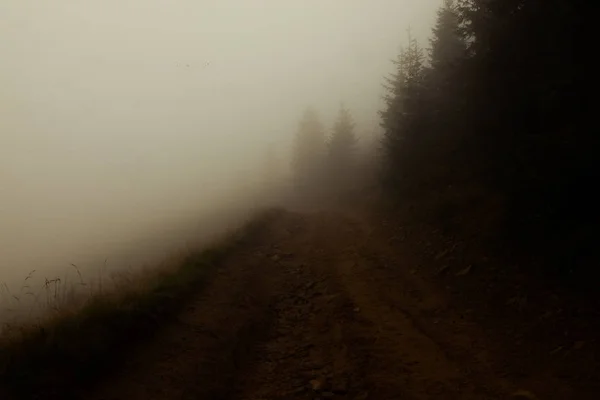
(67, 351)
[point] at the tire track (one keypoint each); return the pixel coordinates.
(312, 351)
(314, 308)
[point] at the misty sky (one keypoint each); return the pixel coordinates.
(116, 113)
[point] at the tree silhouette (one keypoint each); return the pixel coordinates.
(401, 119)
(342, 149)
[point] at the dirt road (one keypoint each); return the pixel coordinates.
(314, 307)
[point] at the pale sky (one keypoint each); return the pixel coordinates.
(115, 114)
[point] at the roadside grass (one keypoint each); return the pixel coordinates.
(70, 348)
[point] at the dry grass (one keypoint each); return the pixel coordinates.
(86, 327)
(41, 300)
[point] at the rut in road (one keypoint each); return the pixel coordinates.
(314, 307)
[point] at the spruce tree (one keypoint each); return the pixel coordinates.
(342, 149)
(447, 53)
(402, 119)
(448, 45)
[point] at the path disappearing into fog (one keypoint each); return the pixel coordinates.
(315, 306)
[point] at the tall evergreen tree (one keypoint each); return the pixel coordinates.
(528, 131)
(448, 45)
(342, 149)
(342, 145)
(402, 118)
(444, 100)
(447, 53)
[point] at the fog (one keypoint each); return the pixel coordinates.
(130, 128)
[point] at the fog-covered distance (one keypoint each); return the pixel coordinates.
(125, 124)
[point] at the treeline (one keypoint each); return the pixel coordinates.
(323, 165)
(495, 105)
(492, 112)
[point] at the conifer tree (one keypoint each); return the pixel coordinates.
(342, 148)
(447, 53)
(402, 120)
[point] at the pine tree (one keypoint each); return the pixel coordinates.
(309, 151)
(445, 103)
(342, 148)
(342, 145)
(447, 53)
(524, 78)
(402, 119)
(448, 45)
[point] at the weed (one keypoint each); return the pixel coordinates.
(79, 336)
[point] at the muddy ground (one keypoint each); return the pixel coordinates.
(321, 306)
